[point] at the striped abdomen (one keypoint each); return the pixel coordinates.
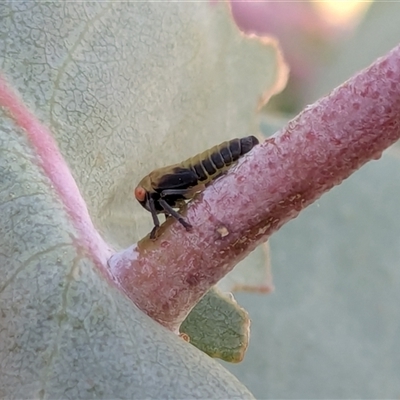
(218, 159)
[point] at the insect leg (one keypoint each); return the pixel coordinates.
(175, 214)
(168, 192)
(155, 218)
(186, 193)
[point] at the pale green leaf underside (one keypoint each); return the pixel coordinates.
(137, 86)
(124, 88)
(65, 331)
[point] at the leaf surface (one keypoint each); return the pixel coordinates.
(218, 326)
(123, 88)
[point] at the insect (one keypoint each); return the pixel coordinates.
(170, 187)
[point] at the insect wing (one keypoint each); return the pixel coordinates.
(180, 178)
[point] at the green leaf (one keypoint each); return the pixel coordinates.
(218, 326)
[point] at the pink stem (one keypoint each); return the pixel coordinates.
(271, 185)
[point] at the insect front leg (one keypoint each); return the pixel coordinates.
(175, 214)
(155, 219)
(178, 203)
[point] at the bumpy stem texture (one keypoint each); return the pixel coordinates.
(316, 151)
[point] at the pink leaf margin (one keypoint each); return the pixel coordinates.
(56, 169)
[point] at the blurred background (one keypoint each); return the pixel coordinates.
(331, 328)
(315, 38)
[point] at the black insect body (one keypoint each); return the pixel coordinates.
(170, 187)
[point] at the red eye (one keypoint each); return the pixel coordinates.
(140, 193)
